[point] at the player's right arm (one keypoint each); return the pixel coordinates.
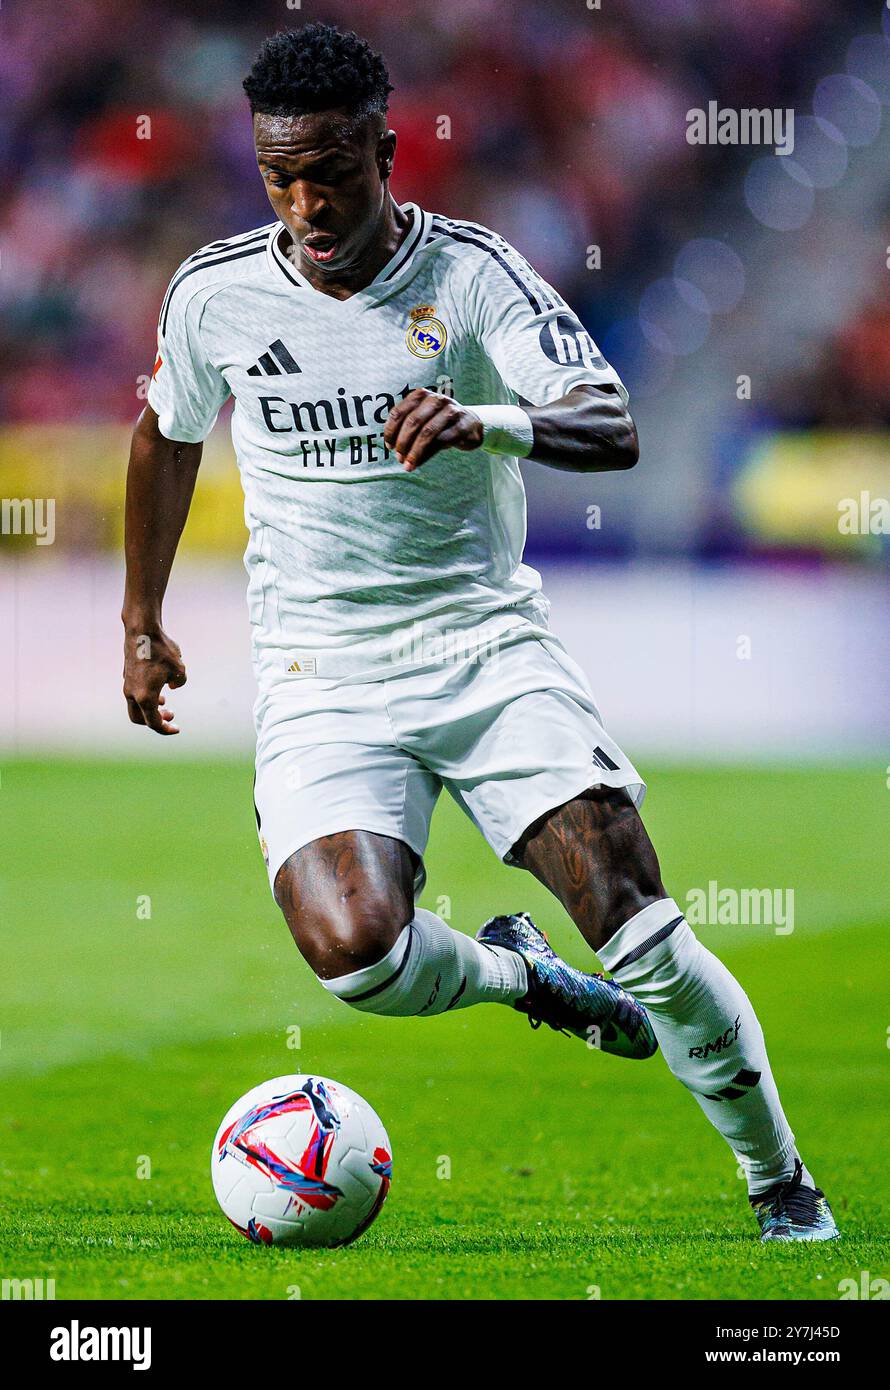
(160, 483)
(184, 399)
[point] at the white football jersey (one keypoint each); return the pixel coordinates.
(350, 557)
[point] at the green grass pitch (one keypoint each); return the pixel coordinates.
(526, 1165)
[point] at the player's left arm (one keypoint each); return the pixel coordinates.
(588, 430)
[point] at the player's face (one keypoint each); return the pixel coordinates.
(326, 179)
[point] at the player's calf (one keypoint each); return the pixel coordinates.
(432, 969)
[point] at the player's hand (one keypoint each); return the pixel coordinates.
(425, 423)
(151, 661)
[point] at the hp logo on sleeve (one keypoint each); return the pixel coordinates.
(565, 340)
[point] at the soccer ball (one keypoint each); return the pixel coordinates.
(301, 1160)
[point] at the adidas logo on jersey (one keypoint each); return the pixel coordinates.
(275, 361)
(303, 666)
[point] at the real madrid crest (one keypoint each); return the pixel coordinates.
(426, 336)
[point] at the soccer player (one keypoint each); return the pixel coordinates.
(390, 366)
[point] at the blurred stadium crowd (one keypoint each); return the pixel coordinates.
(567, 129)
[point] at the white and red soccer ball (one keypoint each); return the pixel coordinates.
(301, 1160)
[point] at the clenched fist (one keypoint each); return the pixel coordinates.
(425, 423)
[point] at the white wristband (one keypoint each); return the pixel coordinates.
(506, 429)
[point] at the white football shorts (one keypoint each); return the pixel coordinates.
(510, 737)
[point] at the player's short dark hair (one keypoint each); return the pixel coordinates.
(317, 68)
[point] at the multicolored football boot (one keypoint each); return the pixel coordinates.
(790, 1211)
(566, 999)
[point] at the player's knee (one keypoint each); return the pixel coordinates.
(628, 898)
(341, 938)
(634, 884)
(360, 936)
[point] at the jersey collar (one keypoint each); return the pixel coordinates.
(394, 269)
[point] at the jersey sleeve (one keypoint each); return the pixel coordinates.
(538, 344)
(186, 390)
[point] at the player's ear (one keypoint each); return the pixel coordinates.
(386, 153)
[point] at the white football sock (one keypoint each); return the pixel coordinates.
(709, 1035)
(432, 969)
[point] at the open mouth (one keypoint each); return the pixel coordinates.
(321, 248)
